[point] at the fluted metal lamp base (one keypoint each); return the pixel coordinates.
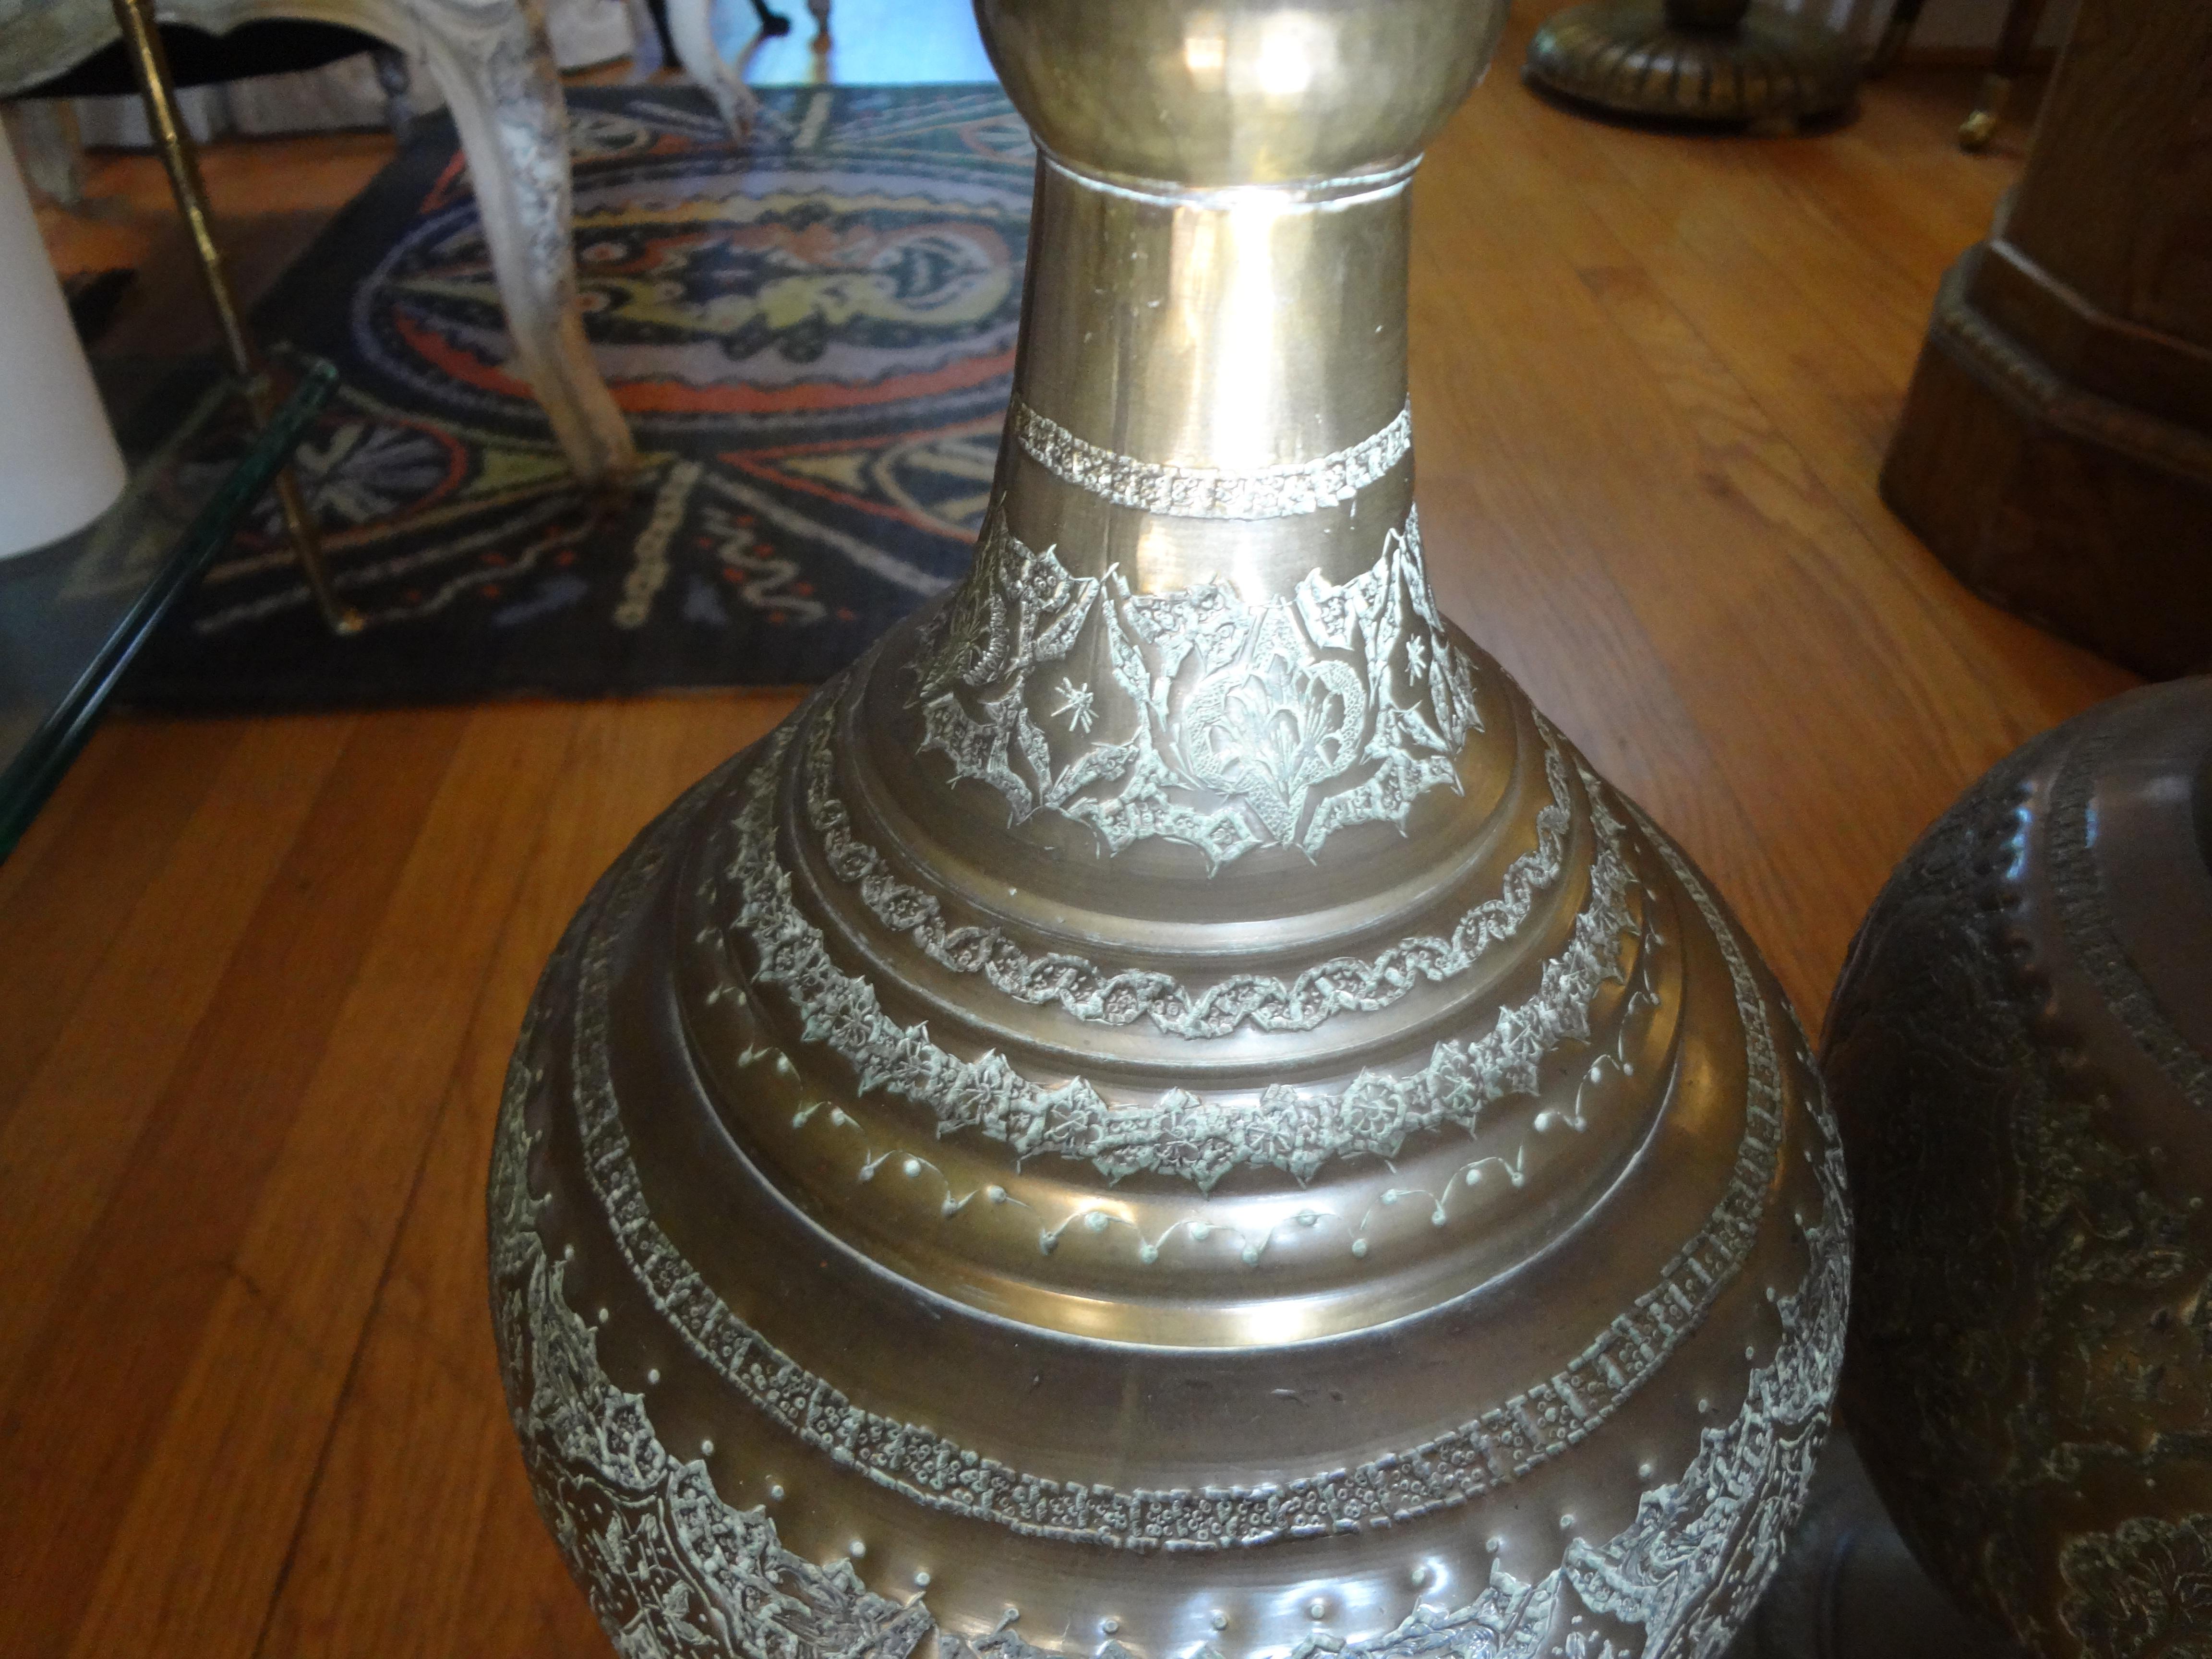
(1633, 57)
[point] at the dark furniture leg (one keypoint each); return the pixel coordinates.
(2013, 48)
(1894, 33)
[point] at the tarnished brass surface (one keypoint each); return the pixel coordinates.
(1849, 1589)
(1695, 60)
(1166, 1108)
(2021, 1050)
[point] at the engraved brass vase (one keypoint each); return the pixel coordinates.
(2020, 1051)
(1166, 1112)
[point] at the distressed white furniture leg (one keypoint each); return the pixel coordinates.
(690, 25)
(492, 61)
(49, 147)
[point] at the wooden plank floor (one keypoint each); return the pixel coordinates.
(260, 977)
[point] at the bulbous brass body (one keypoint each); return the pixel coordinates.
(1722, 61)
(1166, 1108)
(2020, 1049)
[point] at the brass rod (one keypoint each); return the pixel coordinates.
(156, 89)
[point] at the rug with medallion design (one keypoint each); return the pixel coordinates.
(813, 336)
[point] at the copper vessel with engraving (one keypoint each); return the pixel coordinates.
(2021, 1050)
(1166, 1111)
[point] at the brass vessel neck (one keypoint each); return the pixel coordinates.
(1211, 382)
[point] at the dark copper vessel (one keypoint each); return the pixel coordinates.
(1167, 1110)
(2021, 1050)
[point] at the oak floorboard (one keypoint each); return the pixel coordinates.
(52, 825)
(1837, 413)
(69, 887)
(421, 1457)
(1781, 349)
(132, 1272)
(76, 1129)
(199, 1551)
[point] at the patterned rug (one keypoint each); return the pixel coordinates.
(812, 336)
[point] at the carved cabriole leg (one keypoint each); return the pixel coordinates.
(690, 25)
(496, 68)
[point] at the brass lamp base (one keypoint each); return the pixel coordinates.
(1633, 57)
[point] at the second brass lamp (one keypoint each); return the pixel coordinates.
(1166, 1112)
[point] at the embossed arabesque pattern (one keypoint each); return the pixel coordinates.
(1088, 993)
(1227, 726)
(1975, 1123)
(1181, 1133)
(1192, 492)
(672, 1569)
(1691, 1566)
(2143, 1589)
(1496, 1448)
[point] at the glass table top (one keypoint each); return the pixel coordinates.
(74, 613)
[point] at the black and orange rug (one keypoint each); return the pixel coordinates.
(813, 336)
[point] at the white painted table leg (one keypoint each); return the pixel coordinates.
(494, 64)
(690, 25)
